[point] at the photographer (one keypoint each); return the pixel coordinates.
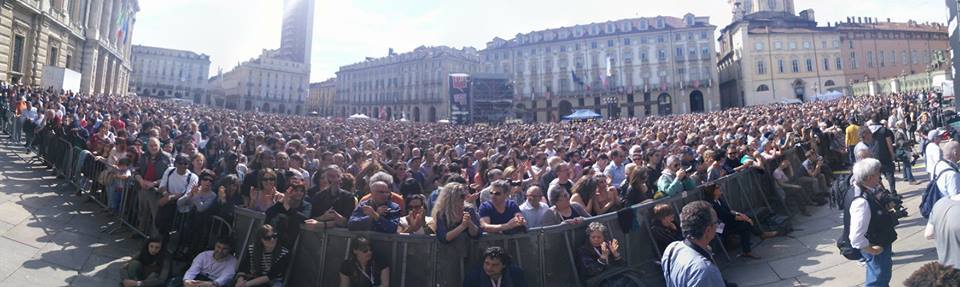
(871, 223)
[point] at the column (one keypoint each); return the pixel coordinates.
(105, 19)
(93, 22)
(88, 69)
(108, 74)
(98, 76)
(112, 33)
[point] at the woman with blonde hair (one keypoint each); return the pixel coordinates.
(450, 216)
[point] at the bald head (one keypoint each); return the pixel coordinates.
(950, 151)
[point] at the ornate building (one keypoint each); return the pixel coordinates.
(88, 36)
(168, 73)
(412, 85)
(769, 54)
(629, 67)
(276, 81)
(321, 97)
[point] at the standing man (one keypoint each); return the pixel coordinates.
(944, 229)
(150, 170)
(931, 152)
(852, 138)
(616, 171)
(882, 149)
(688, 262)
(871, 224)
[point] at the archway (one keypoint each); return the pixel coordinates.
(299, 109)
(664, 104)
(162, 93)
(247, 105)
(829, 83)
(566, 108)
(389, 113)
(763, 88)
(282, 109)
(696, 101)
(432, 115)
(416, 114)
(363, 110)
(799, 88)
(520, 111)
(265, 108)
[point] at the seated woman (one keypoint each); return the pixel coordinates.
(599, 256)
(362, 270)
(663, 228)
(734, 222)
(451, 218)
(149, 268)
(266, 261)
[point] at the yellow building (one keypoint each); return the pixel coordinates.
(321, 97)
(91, 37)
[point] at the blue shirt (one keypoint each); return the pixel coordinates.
(386, 223)
(488, 210)
(616, 173)
(684, 266)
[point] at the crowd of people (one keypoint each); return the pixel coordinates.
(453, 182)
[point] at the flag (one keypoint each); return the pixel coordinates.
(696, 84)
(576, 80)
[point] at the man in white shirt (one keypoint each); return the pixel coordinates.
(948, 182)
(866, 213)
(534, 208)
(176, 181)
(212, 268)
(932, 153)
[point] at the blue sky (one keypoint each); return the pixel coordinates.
(346, 31)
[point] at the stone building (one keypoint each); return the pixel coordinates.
(91, 37)
(321, 97)
(623, 68)
(278, 80)
(769, 54)
(169, 73)
(412, 85)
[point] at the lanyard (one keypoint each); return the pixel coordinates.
(497, 282)
(364, 272)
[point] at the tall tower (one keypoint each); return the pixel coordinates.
(784, 6)
(297, 36)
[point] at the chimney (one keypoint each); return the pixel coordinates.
(859, 20)
(888, 20)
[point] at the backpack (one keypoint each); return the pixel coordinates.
(843, 243)
(185, 185)
(932, 193)
(838, 191)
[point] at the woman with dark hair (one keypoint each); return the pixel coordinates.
(636, 190)
(415, 222)
(229, 196)
(598, 256)
(663, 228)
(265, 194)
(150, 267)
(266, 261)
(409, 187)
(362, 270)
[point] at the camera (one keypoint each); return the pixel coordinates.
(894, 203)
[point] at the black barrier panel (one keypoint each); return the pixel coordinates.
(560, 254)
(245, 222)
(306, 261)
(523, 248)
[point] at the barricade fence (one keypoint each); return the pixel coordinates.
(548, 255)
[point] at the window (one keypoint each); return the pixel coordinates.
(758, 46)
(660, 39)
(836, 43)
(853, 60)
(826, 64)
(893, 57)
(610, 43)
(809, 65)
(870, 59)
(778, 45)
(54, 56)
(806, 45)
(661, 55)
(761, 68)
(18, 42)
(839, 64)
(772, 4)
(763, 88)
(692, 54)
(705, 53)
(829, 83)
(679, 54)
(823, 45)
(69, 58)
(593, 45)
(903, 58)
(703, 35)
(792, 45)
(780, 66)
(626, 41)
(795, 64)
(880, 58)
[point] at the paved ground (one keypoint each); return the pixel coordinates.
(809, 257)
(49, 237)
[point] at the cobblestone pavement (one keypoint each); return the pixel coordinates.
(809, 257)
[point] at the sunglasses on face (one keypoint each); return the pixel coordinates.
(496, 193)
(271, 236)
(269, 179)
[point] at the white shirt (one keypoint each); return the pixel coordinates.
(177, 183)
(859, 220)
(931, 155)
(948, 181)
(534, 216)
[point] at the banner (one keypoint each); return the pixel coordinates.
(459, 98)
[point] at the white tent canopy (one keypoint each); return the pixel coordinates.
(358, 117)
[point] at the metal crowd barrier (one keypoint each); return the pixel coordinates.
(548, 255)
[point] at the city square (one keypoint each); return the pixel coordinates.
(741, 143)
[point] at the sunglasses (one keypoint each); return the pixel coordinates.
(496, 193)
(271, 236)
(269, 179)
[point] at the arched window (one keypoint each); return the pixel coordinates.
(763, 88)
(829, 83)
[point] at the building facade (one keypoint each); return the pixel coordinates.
(321, 97)
(169, 73)
(91, 37)
(410, 85)
(630, 67)
(768, 54)
(278, 80)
